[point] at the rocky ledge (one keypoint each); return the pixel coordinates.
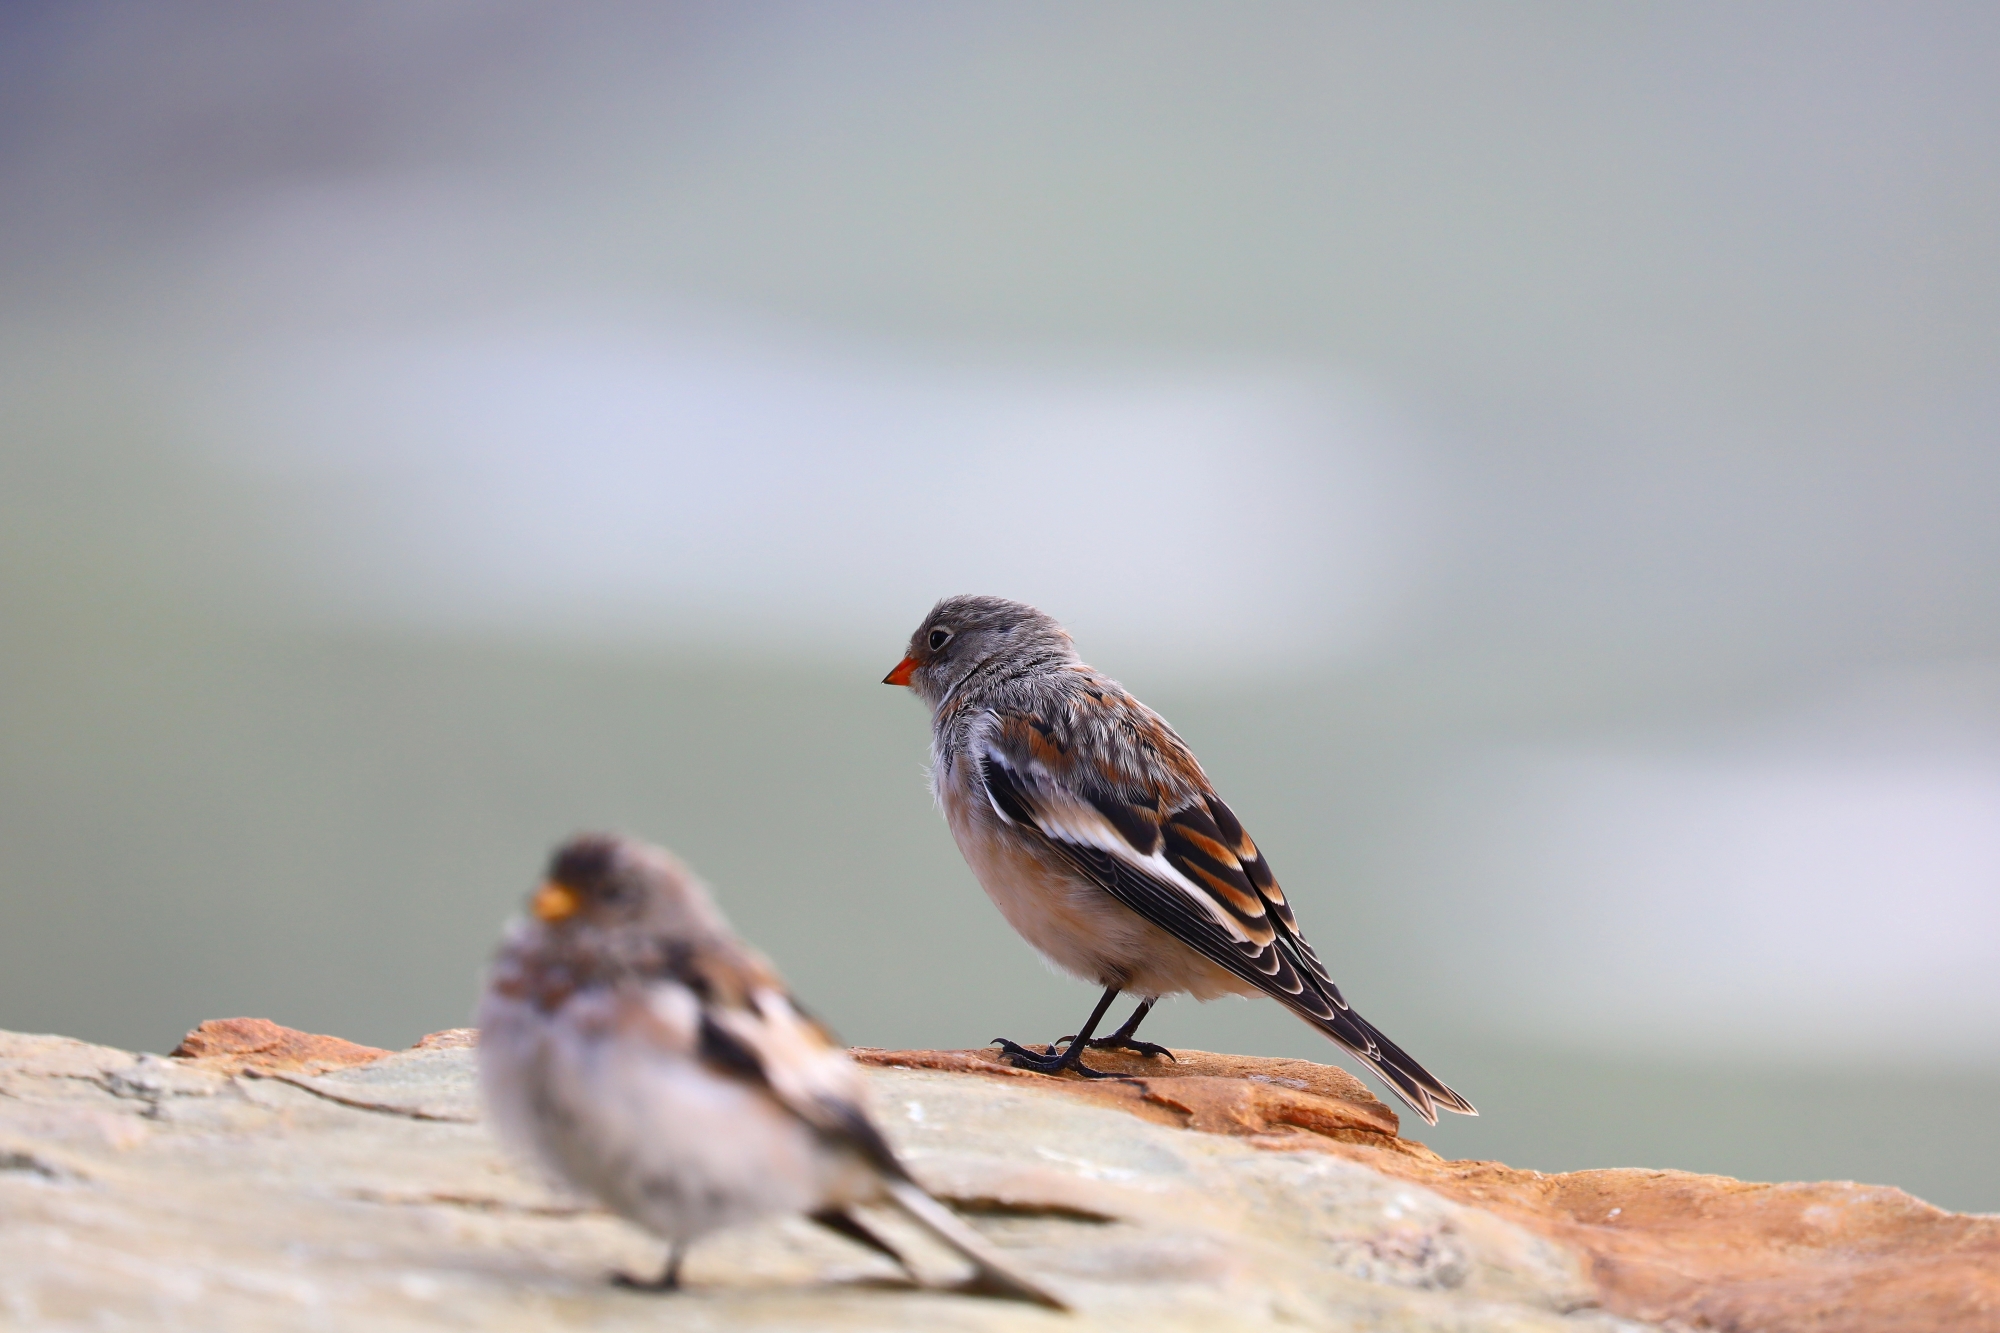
(261, 1178)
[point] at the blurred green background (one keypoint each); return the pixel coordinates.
(1544, 458)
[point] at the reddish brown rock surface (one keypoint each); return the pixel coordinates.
(1663, 1246)
(1728, 1254)
(233, 1044)
(1200, 1090)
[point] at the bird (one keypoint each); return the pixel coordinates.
(643, 1054)
(1091, 825)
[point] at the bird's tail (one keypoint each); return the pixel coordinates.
(1425, 1092)
(991, 1275)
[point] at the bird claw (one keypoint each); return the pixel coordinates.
(1114, 1042)
(1022, 1057)
(1146, 1048)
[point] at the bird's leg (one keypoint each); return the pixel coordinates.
(1050, 1063)
(669, 1280)
(1121, 1040)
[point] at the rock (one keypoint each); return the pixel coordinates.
(233, 1044)
(1200, 1090)
(1668, 1246)
(451, 1039)
(1713, 1252)
(241, 1187)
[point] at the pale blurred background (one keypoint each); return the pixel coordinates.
(1545, 458)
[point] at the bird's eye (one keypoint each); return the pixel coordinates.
(939, 638)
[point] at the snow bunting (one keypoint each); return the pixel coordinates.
(646, 1056)
(1094, 830)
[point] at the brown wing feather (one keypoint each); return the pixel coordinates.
(1172, 850)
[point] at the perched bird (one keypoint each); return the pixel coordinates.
(649, 1057)
(1094, 830)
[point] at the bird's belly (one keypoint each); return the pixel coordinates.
(654, 1135)
(1072, 921)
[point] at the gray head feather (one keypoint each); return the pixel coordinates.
(968, 639)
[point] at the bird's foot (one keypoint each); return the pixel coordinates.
(1022, 1057)
(656, 1285)
(668, 1280)
(1119, 1042)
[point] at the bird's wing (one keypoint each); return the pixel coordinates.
(1127, 805)
(743, 1024)
(724, 1005)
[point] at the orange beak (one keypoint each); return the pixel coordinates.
(901, 675)
(555, 902)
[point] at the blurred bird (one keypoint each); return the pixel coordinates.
(1094, 830)
(648, 1057)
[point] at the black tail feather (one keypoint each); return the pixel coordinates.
(1422, 1090)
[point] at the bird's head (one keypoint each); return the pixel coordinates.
(603, 881)
(963, 634)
